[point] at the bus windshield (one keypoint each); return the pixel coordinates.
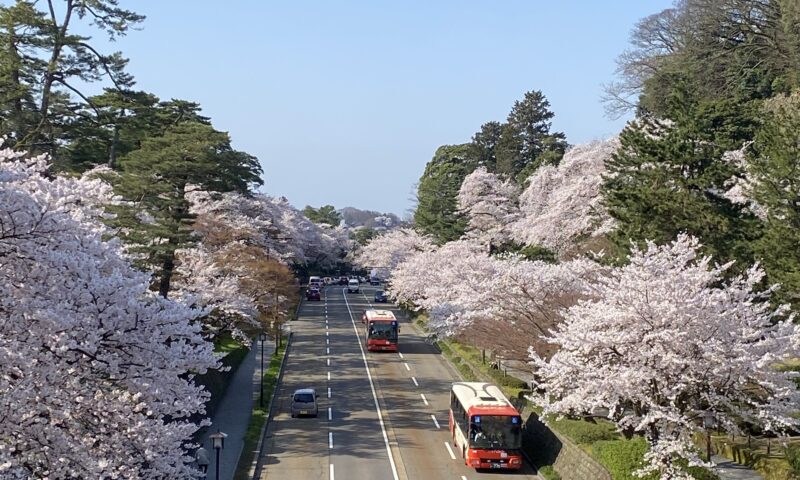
(500, 432)
(383, 331)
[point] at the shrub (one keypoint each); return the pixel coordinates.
(621, 457)
(549, 473)
(793, 458)
(583, 432)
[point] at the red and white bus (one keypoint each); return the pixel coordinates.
(486, 428)
(381, 329)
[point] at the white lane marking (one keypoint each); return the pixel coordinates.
(372, 387)
(327, 341)
(330, 413)
(326, 327)
(327, 333)
(423, 398)
(401, 355)
(407, 367)
(329, 376)
(330, 439)
(450, 450)
(329, 362)
(462, 476)
(329, 392)
(414, 379)
(332, 477)
(435, 422)
(328, 350)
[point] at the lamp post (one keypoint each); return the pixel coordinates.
(263, 337)
(218, 442)
(708, 422)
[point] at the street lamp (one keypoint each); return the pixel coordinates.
(218, 442)
(708, 423)
(263, 337)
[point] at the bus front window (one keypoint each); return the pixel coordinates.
(383, 331)
(499, 432)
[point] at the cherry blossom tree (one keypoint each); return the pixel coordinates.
(96, 371)
(490, 204)
(663, 342)
(562, 205)
(385, 252)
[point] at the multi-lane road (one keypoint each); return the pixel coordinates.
(382, 415)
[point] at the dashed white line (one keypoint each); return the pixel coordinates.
(330, 440)
(329, 392)
(327, 350)
(327, 333)
(330, 413)
(407, 367)
(332, 477)
(327, 341)
(414, 379)
(329, 362)
(450, 450)
(423, 398)
(462, 476)
(401, 355)
(372, 387)
(435, 422)
(329, 376)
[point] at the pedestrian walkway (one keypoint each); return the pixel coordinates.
(233, 412)
(730, 470)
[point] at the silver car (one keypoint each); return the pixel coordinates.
(304, 402)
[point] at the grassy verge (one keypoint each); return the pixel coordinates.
(599, 440)
(259, 416)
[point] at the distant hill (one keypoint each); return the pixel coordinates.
(354, 217)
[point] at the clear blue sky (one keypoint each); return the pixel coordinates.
(345, 101)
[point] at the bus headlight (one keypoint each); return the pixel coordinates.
(515, 461)
(475, 462)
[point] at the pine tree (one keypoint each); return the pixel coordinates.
(437, 205)
(774, 167)
(155, 180)
(668, 177)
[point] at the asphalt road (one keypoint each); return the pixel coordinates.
(388, 421)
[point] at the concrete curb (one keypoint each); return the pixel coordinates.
(256, 465)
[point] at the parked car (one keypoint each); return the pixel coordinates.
(313, 294)
(304, 402)
(380, 296)
(374, 281)
(353, 286)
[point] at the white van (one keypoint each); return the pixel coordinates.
(353, 286)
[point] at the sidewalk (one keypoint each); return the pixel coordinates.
(233, 413)
(730, 470)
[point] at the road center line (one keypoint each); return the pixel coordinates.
(329, 362)
(414, 379)
(329, 376)
(330, 440)
(435, 422)
(407, 367)
(329, 392)
(372, 387)
(423, 398)
(332, 477)
(330, 414)
(327, 350)
(450, 450)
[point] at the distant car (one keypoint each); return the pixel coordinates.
(353, 286)
(362, 279)
(343, 280)
(312, 294)
(327, 280)
(380, 297)
(374, 281)
(304, 403)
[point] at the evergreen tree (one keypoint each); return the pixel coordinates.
(326, 214)
(774, 166)
(484, 145)
(155, 181)
(668, 177)
(437, 206)
(525, 141)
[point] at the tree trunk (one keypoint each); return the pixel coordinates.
(166, 273)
